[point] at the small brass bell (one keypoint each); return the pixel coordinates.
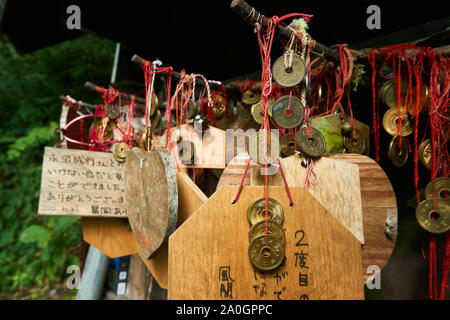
(200, 123)
(346, 127)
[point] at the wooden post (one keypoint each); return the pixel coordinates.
(138, 279)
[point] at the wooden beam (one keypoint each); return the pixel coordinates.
(177, 76)
(99, 89)
(79, 103)
(244, 10)
(410, 52)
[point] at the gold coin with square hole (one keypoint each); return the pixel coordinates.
(289, 77)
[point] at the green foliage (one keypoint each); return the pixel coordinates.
(37, 250)
(36, 234)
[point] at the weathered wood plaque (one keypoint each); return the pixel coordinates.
(113, 238)
(81, 183)
(378, 203)
(152, 198)
(208, 254)
(209, 146)
(337, 186)
(110, 236)
(190, 198)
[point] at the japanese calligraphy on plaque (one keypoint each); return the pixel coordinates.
(81, 183)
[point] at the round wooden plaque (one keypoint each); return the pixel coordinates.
(152, 198)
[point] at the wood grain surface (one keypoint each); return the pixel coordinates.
(110, 236)
(378, 204)
(208, 254)
(378, 201)
(190, 198)
(81, 183)
(336, 187)
(152, 198)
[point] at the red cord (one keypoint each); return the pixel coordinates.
(288, 191)
(242, 183)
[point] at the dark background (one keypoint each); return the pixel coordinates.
(204, 36)
(207, 37)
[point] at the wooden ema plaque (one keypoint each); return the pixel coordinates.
(208, 254)
(337, 187)
(209, 146)
(152, 198)
(113, 238)
(190, 198)
(378, 203)
(110, 236)
(81, 183)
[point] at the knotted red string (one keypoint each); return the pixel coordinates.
(409, 99)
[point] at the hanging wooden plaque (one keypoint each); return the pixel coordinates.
(337, 187)
(81, 183)
(378, 201)
(323, 259)
(190, 198)
(152, 198)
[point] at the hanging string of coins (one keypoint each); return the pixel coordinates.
(111, 129)
(153, 117)
(193, 110)
(303, 90)
(265, 215)
(118, 116)
(403, 71)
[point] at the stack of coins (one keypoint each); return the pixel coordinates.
(245, 107)
(266, 236)
(120, 151)
(389, 96)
